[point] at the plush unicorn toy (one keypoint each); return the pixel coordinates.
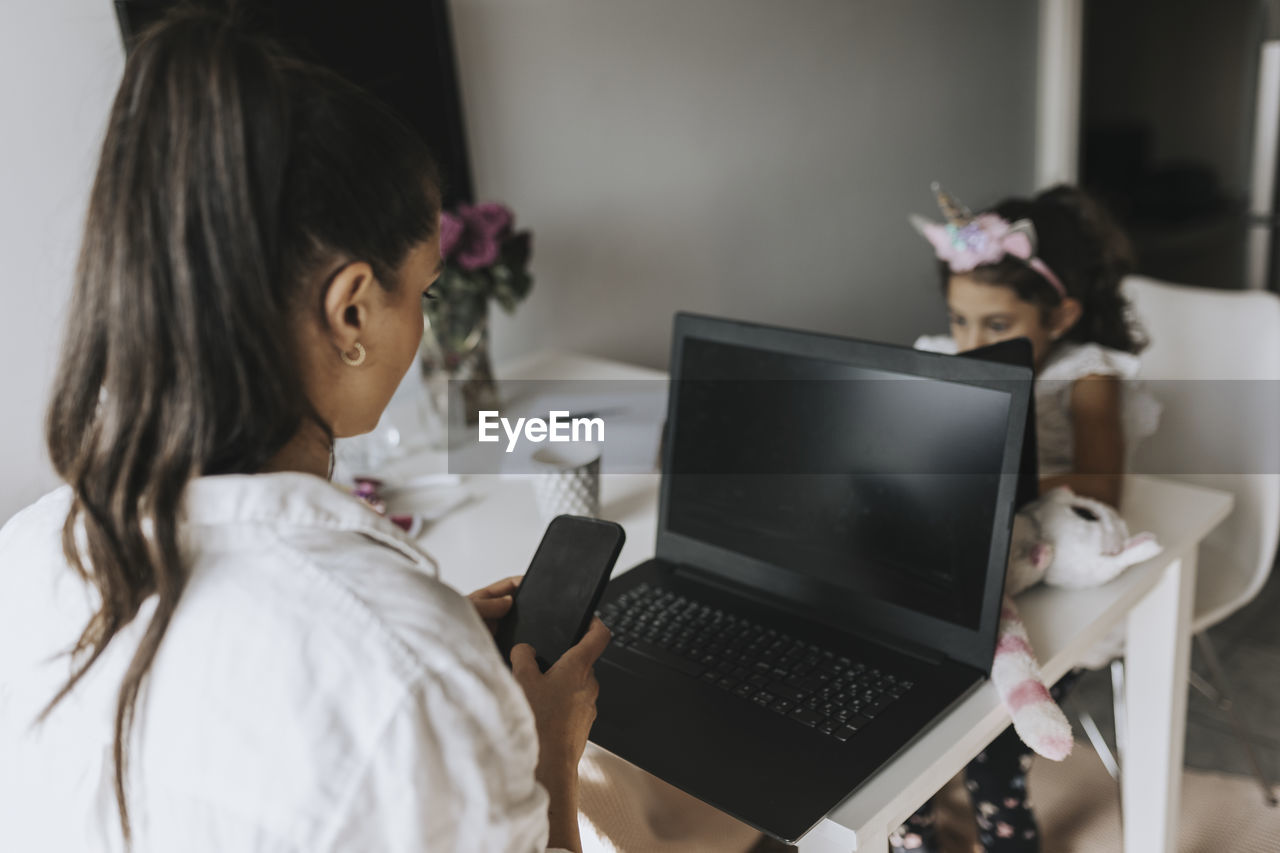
(1064, 540)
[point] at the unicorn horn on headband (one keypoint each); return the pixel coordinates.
(955, 212)
(966, 241)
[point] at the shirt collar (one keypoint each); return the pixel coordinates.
(294, 499)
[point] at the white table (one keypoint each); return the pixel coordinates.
(1154, 601)
(495, 535)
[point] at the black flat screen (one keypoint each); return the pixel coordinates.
(871, 482)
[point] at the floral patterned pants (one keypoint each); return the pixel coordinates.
(997, 783)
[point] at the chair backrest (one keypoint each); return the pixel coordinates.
(1214, 362)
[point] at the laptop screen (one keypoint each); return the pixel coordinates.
(863, 480)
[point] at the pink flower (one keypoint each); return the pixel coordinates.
(480, 252)
(985, 239)
(451, 230)
(473, 238)
(489, 218)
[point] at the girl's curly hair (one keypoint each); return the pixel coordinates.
(1080, 241)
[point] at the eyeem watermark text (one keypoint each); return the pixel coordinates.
(558, 426)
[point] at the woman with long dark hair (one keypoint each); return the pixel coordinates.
(204, 645)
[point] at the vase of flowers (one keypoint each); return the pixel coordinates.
(485, 260)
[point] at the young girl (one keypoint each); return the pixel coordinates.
(1047, 269)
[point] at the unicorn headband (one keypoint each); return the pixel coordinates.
(967, 241)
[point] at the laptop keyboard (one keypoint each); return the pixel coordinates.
(813, 686)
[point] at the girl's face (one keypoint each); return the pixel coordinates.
(984, 314)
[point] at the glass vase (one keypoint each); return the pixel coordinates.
(454, 357)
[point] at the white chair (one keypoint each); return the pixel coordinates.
(1214, 364)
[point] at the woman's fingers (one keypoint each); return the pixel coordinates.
(494, 601)
(590, 647)
(492, 608)
(497, 589)
(523, 662)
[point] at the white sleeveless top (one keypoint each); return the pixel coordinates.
(1066, 363)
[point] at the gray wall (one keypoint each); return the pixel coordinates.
(749, 157)
(60, 61)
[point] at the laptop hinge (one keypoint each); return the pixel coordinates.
(901, 646)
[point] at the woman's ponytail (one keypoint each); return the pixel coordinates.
(227, 173)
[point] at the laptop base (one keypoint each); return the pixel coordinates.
(766, 769)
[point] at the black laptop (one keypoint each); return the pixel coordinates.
(833, 529)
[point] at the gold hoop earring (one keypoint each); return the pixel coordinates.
(358, 360)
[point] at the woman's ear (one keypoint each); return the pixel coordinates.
(347, 304)
(1064, 317)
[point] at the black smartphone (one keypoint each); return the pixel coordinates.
(561, 589)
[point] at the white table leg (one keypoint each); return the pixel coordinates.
(830, 837)
(1156, 662)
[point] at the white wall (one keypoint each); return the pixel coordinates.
(748, 157)
(60, 61)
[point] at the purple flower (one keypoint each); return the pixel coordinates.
(451, 230)
(491, 218)
(480, 251)
(473, 237)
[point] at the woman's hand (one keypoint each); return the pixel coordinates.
(493, 602)
(564, 706)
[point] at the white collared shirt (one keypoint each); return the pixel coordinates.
(317, 690)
